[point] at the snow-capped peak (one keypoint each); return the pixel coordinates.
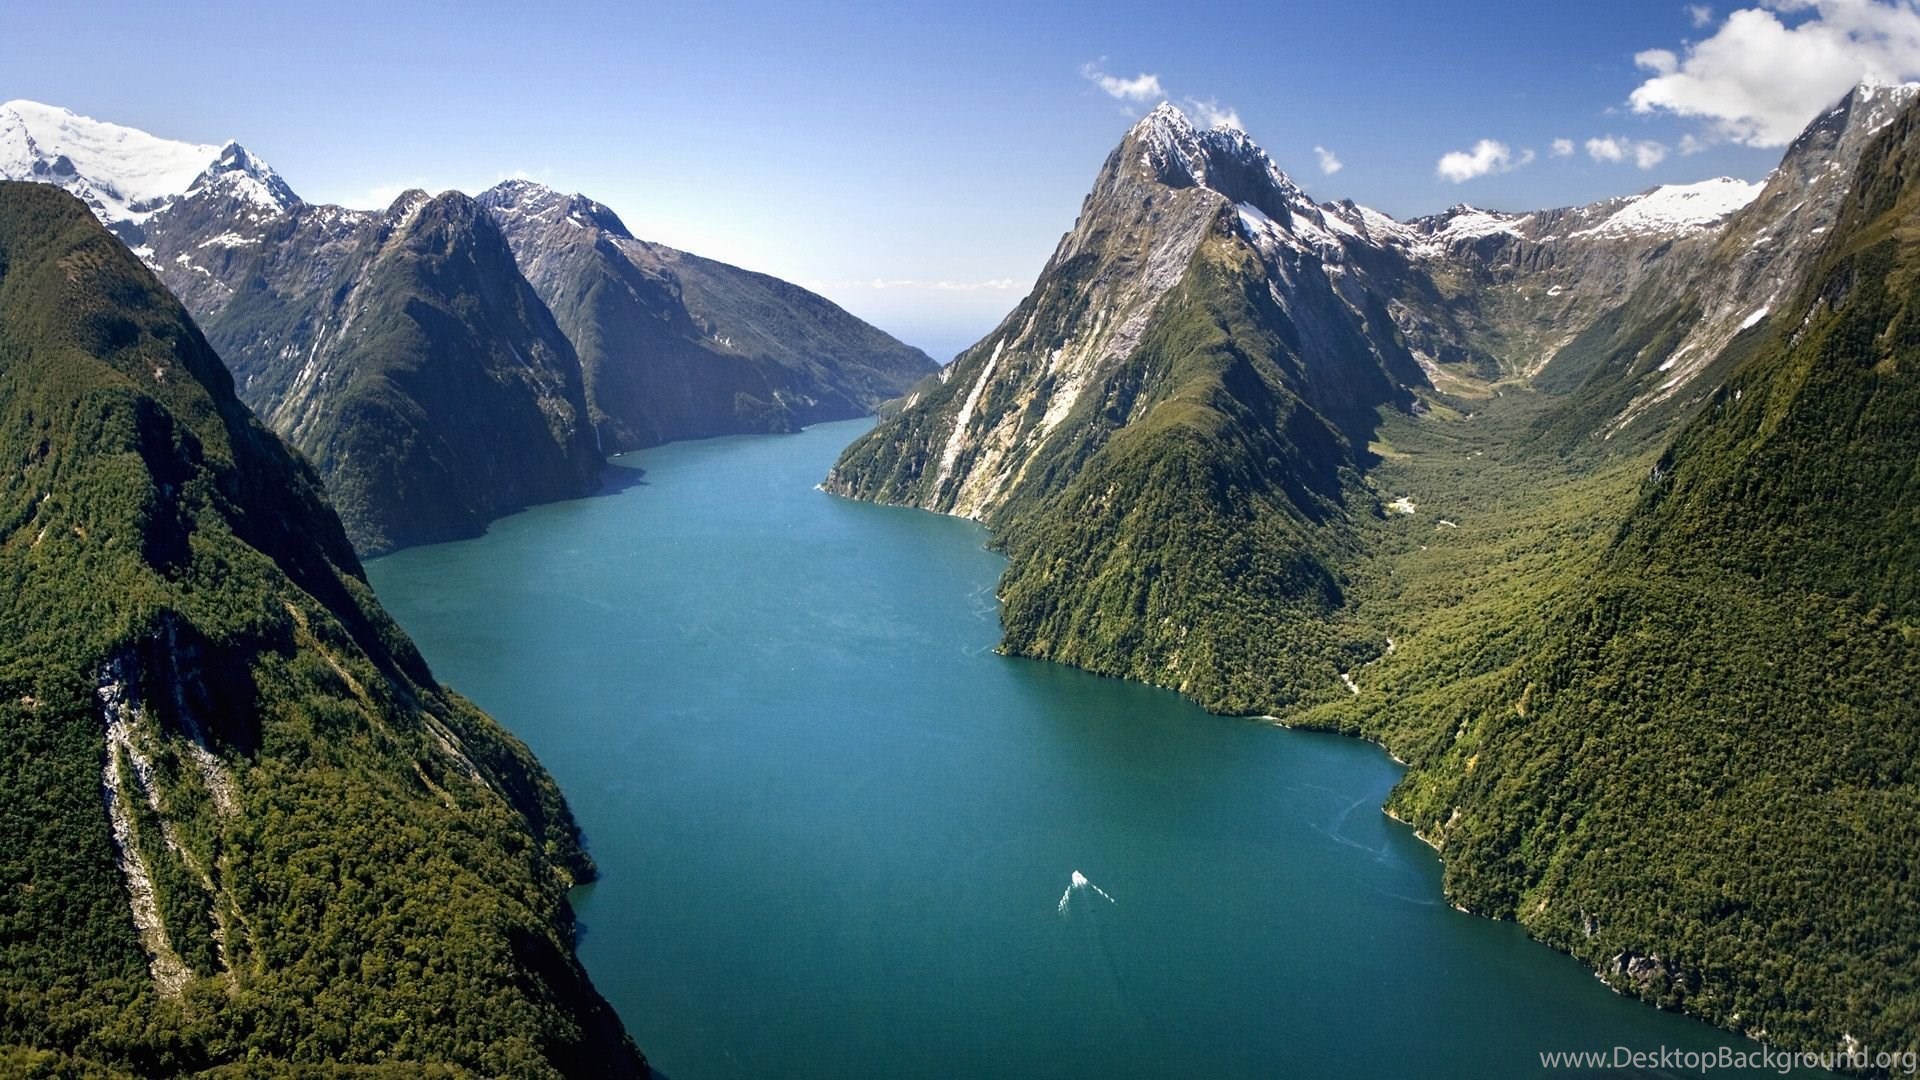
(517, 192)
(238, 174)
(1165, 114)
(1461, 224)
(1872, 105)
(123, 173)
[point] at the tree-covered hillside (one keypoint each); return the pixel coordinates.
(240, 823)
(1681, 741)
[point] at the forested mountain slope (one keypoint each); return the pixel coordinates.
(240, 823)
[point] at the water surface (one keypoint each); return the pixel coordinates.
(835, 830)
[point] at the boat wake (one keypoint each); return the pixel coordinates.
(1079, 881)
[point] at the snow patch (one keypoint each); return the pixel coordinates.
(1465, 224)
(1673, 209)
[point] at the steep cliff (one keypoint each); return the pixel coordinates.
(407, 357)
(1170, 423)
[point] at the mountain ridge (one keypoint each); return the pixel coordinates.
(350, 347)
(674, 345)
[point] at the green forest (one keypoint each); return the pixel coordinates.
(350, 865)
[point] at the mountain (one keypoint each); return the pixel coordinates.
(1492, 298)
(1661, 352)
(412, 354)
(1204, 311)
(675, 346)
(1601, 518)
(1171, 422)
(240, 823)
(402, 352)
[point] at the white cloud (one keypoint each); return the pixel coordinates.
(1212, 114)
(1612, 149)
(1561, 148)
(1658, 61)
(1759, 81)
(1690, 146)
(1142, 87)
(1701, 14)
(1329, 162)
(1607, 149)
(1487, 156)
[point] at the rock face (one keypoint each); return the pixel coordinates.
(402, 352)
(1062, 372)
(241, 818)
(1720, 285)
(675, 346)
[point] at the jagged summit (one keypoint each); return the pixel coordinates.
(238, 173)
(1225, 159)
(1170, 114)
(534, 200)
(408, 201)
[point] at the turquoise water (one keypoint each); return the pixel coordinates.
(835, 829)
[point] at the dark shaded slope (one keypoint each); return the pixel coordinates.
(239, 821)
(676, 346)
(425, 380)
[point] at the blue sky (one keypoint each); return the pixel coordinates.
(943, 150)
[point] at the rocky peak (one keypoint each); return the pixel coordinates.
(407, 203)
(1834, 139)
(238, 174)
(515, 203)
(1223, 159)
